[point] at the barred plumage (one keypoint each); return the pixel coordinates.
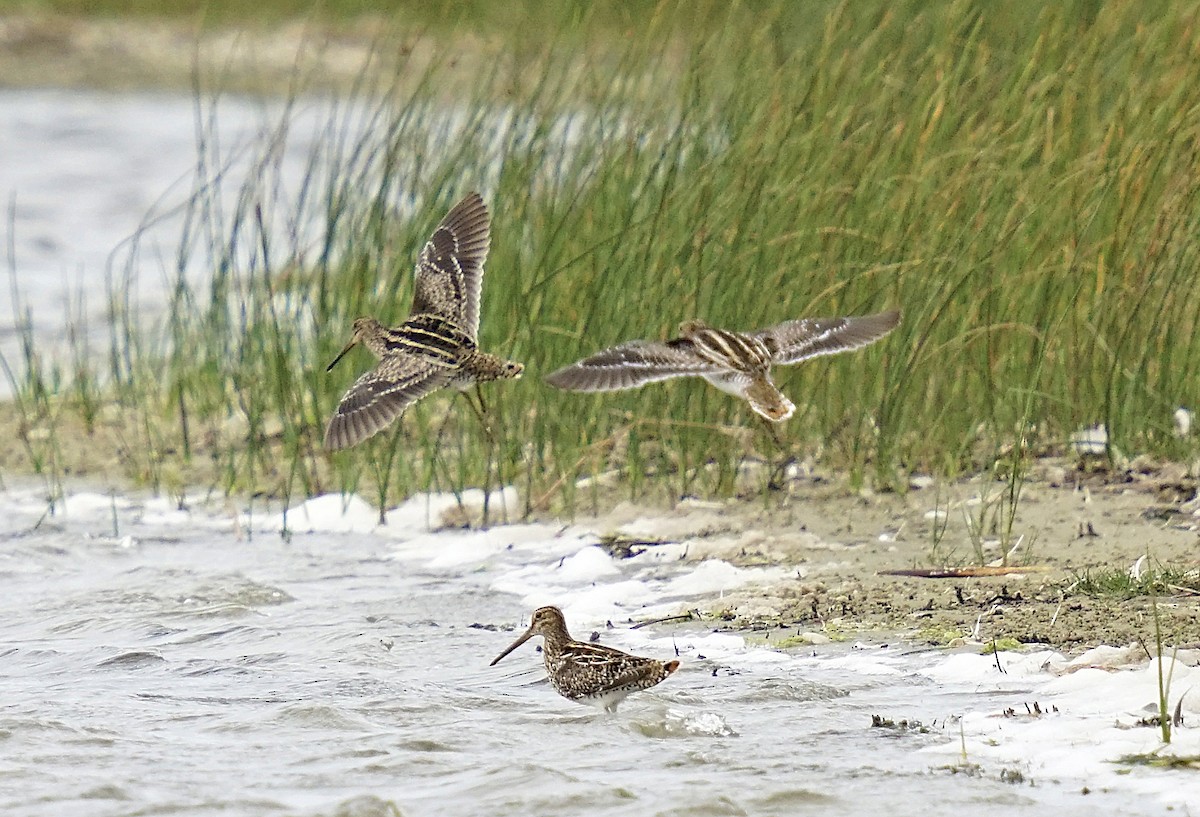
(589, 673)
(436, 346)
(735, 362)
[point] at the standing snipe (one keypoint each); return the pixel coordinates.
(589, 673)
(436, 346)
(735, 362)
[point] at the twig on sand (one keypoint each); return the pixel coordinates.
(688, 616)
(975, 572)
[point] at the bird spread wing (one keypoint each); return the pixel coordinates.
(794, 341)
(632, 364)
(449, 273)
(380, 396)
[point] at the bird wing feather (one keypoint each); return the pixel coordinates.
(632, 364)
(587, 669)
(380, 396)
(449, 272)
(795, 341)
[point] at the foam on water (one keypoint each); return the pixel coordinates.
(727, 689)
(1090, 719)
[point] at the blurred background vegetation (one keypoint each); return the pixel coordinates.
(1019, 178)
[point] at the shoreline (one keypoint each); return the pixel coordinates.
(841, 545)
(838, 545)
(48, 49)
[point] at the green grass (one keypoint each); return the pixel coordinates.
(1155, 580)
(1021, 180)
(1161, 761)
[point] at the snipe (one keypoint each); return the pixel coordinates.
(436, 347)
(735, 362)
(589, 673)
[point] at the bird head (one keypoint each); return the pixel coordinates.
(547, 622)
(362, 328)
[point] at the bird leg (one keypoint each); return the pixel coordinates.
(480, 412)
(778, 470)
(772, 433)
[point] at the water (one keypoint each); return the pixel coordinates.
(159, 661)
(81, 173)
(164, 661)
(95, 187)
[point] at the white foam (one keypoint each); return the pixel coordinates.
(588, 564)
(328, 513)
(709, 724)
(420, 512)
(717, 576)
(163, 511)
(1131, 690)
(971, 668)
(90, 505)
(338, 513)
(716, 645)
(1090, 719)
(866, 662)
(426, 511)
(454, 548)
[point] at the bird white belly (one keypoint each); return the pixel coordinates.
(733, 383)
(606, 700)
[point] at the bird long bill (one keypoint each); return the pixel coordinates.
(341, 355)
(513, 646)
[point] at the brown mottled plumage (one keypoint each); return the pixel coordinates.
(589, 673)
(735, 362)
(436, 347)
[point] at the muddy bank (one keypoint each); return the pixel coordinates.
(1069, 522)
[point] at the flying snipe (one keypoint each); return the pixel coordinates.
(436, 346)
(735, 362)
(589, 673)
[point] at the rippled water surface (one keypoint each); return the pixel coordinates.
(159, 661)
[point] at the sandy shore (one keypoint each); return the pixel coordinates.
(1070, 520)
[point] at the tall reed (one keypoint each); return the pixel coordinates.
(1021, 181)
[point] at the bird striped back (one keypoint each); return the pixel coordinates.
(733, 350)
(430, 336)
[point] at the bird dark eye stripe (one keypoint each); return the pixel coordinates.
(722, 347)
